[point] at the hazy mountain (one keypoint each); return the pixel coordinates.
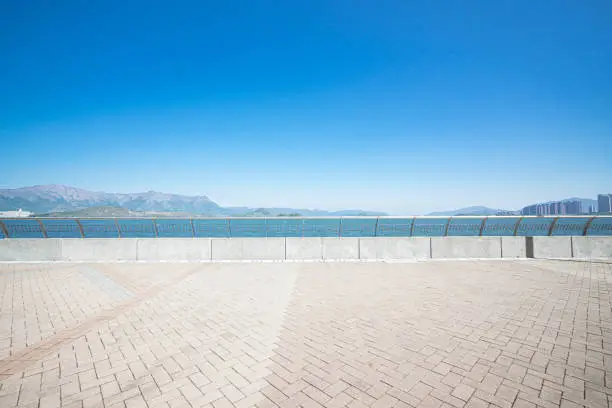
(104, 211)
(273, 211)
(352, 213)
(475, 210)
(60, 200)
(55, 198)
(107, 211)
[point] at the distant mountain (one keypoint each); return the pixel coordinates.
(60, 200)
(104, 211)
(108, 211)
(475, 210)
(56, 198)
(274, 211)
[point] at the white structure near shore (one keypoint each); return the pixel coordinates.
(15, 214)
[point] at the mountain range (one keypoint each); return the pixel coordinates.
(57, 199)
(61, 200)
(475, 210)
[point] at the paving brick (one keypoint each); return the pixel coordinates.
(551, 395)
(569, 404)
(477, 403)
(340, 400)
(432, 334)
(463, 392)
(521, 403)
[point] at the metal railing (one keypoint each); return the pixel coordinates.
(304, 227)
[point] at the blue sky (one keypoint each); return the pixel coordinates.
(400, 106)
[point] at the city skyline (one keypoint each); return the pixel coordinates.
(406, 107)
(567, 207)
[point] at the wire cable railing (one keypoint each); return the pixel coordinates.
(235, 227)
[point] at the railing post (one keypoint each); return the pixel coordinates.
(42, 228)
(192, 227)
(229, 228)
(482, 226)
(412, 225)
(266, 226)
(447, 225)
(118, 229)
(518, 223)
(80, 227)
(155, 227)
(340, 229)
(376, 227)
(588, 225)
(552, 226)
(4, 229)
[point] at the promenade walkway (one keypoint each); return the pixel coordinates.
(525, 333)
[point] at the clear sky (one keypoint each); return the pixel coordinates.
(400, 106)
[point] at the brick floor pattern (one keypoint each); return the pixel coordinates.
(268, 335)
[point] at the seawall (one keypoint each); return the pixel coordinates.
(298, 249)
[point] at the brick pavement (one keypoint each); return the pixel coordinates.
(427, 334)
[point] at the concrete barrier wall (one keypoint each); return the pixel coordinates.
(394, 248)
(304, 249)
(338, 249)
(466, 247)
(379, 248)
(78, 249)
(174, 249)
(592, 247)
(313, 249)
(233, 249)
(513, 247)
(552, 247)
(30, 250)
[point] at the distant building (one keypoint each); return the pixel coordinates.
(15, 214)
(530, 210)
(508, 212)
(604, 202)
(573, 207)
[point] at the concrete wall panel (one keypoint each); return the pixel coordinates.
(552, 247)
(381, 248)
(592, 247)
(227, 249)
(35, 249)
(340, 248)
(174, 249)
(394, 248)
(513, 247)
(304, 249)
(465, 247)
(78, 249)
